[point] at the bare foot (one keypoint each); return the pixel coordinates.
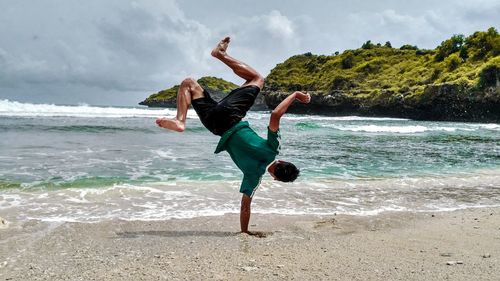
(171, 124)
(221, 47)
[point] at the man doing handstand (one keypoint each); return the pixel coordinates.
(252, 154)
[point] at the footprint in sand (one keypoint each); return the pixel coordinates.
(325, 223)
(3, 223)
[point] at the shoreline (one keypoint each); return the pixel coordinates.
(324, 197)
(457, 245)
(331, 112)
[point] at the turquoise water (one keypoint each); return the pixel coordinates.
(91, 163)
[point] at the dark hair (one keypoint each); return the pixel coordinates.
(286, 171)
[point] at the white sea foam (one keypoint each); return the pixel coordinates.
(408, 129)
(389, 129)
(166, 154)
(340, 118)
(495, 127)
(18, 109)
(10, 200)
(187, 199)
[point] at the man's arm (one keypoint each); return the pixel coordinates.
(245, 213)
(274, 122)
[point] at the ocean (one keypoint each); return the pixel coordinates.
(86, 163)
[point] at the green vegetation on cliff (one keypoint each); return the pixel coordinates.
(375, 69)
(216, 86)
(458, 80)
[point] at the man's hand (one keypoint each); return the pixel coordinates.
(258, 234)
(246, 201)
(302, 97)
(274, 122)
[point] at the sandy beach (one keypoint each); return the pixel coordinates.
(460, 245)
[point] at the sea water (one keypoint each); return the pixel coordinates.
(86, 163)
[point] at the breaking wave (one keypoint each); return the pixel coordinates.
(18, 109)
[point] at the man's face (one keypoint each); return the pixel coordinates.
(271, 169)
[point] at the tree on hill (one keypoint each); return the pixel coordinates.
(367, 45)
(477, 46)
(450, 46)
(408, 47)
(482, 44)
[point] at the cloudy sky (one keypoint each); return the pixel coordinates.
(118, 51)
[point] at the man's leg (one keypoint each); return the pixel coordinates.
(241, 69)
(188, 91)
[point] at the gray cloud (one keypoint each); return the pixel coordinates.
(121, 51)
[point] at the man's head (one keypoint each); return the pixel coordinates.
(283, 171)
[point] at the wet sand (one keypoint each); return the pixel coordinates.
(460, 245)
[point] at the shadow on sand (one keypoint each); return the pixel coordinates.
(187, 233)
(173, 233)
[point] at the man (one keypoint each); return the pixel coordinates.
(252, 154)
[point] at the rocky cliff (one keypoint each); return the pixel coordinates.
(459, 80)
(445, 102)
